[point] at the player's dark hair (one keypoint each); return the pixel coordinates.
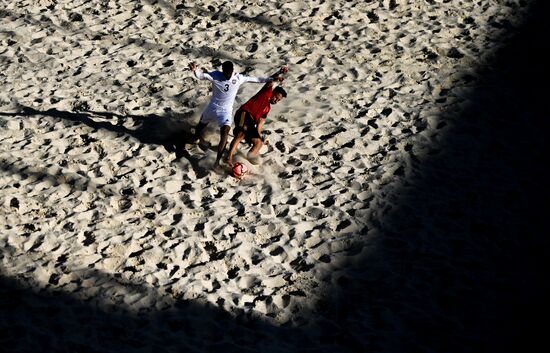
(227, 66)
(280, 90)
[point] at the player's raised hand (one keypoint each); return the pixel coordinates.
(192, 66)
(283, 70)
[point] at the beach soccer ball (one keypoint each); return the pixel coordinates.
(239, 170)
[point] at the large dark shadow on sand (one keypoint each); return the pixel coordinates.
(462, 272)
(458, 266)
(54, 321)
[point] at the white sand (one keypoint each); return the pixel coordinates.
(89, 90)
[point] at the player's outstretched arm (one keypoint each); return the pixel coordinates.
(268, 79)
(283, 70)
(278, 76)
(199, 74)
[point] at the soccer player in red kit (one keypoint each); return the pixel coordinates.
(250, 118)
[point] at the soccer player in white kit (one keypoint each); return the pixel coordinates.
(225, 85)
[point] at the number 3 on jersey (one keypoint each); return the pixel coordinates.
(226, 87)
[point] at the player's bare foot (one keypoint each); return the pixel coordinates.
(228, 162)
(217, 167)
(254, 159)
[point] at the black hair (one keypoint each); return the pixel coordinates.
(280, 90)
(227, 66)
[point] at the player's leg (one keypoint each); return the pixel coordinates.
(239, 135)
(253, 152)
(224, 122)
(195, 138)
(224, 133)
(208, 115)
(257, 144)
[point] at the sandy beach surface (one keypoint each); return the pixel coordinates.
(395, 209)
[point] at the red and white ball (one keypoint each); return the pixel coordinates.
(239, 170)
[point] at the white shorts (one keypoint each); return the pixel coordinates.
(219, 116)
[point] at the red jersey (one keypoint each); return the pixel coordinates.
(258, 106)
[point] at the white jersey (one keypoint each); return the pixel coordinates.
(224, 91)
